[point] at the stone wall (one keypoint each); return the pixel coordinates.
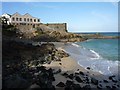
(57, 26)
(61, 27)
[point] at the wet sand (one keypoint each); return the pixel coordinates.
(69, 65)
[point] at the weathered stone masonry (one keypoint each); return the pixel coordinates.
(27, 22)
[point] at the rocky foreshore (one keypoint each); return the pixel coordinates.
(23, 67)
(28, 65)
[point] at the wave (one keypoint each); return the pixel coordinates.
(96, 54)
(75, 45)
(90, 58)
(89, 40)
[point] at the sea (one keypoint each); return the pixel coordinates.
(101, 55)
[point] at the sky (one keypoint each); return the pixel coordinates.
(79, 16)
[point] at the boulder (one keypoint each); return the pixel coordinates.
(71, 76)
(105, 81)
(114, 87)
(69, 83)
(16, 82)
(81, 73)
(99, 86)
(65, 74)
(34, 86)
(58, 71)
(87, 87)
(76, 87)
(94, 81)
(78, 79)
(110, 77)
(108, 87)
(88, 68)
(60, 84)
(114, 80)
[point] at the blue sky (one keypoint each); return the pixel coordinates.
(79, 16)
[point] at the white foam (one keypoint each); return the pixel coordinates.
(89, 40)
(97, 55)
(84, 57)
(75, 45)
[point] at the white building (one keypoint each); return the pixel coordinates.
(18, 19)
(8, 17)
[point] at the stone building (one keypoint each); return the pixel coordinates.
(27, 22)
(18, 19)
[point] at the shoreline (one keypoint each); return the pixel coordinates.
(59, 73)
(70, 66)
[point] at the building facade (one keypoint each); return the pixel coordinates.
(27, 22)
(18, 19)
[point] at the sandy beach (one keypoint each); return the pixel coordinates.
(70, 66)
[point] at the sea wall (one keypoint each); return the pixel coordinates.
(57, 26)
(62, 27)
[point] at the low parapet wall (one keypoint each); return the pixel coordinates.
(57, 26)
(61, 27)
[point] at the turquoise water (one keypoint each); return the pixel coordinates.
(107, 48)
(100, 55)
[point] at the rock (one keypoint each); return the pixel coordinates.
(88, 68)
(114, 87)
(65, 74)
(81, 73)
(110, 77)
(118, 86)
(87, 80)
(114, 80)
(48, 62)
(94, 81)
(69, 83)
(105, 81)
(76, 87)
(87, 87)
(99, 86)
(52, 87)
(60, 63)
(53, 78)
(71, 76)
(108, 87)
(58, 71)
(76, 73)
(16, 82)
(60, 84)
(41, 68)
(34, 86)
(78, 79)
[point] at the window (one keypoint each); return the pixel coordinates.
(30, 20)
(24, 19)
(38, 20)
(16, 19)
(34, 20)
(20, 19)
(13, 19)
